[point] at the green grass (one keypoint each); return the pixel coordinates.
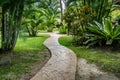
(108, 61)
(26, 54)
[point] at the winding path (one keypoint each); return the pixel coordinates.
(62, 64)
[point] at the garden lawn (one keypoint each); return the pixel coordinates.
(108, 61)
(26, 55)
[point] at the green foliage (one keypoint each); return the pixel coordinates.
(2, 2)
(117, 19)
(26, 54)
(51, 13)
(32, 19)
(115, 14)
(103, 34)
(102, 9)
(51, 18)
(78, 17)
(0, 40)
(79, 13)
(43, 15)
(108, 61)
(63, 28)
(49, 29)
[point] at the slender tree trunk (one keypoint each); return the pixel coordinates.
(29, 32)
(61, 8)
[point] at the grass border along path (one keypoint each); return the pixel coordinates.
(27, 53)
(108, 61)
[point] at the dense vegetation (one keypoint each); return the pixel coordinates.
(95, 29)
(41, 16)
(91, 22)
(106, 59)
(77, 19)
(28, 16)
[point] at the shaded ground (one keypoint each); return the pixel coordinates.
(87, 71)
(45, 55)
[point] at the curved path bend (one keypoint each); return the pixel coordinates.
(62, 64)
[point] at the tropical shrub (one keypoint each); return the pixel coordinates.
(11, 19)
(51, 13)
(50, 29)
(103, 34)
(79, 13)
(62, 30)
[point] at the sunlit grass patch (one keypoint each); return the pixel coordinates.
(26, 54)
(108, 61)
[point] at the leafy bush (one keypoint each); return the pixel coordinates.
(62, 30)
(50, 29)
(103, 34)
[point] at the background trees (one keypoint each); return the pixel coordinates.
(46, 14)
(32, 19)
(51, 13)
(79, 14)
(12, 15)
(42, 15)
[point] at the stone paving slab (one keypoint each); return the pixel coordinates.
(62, 64)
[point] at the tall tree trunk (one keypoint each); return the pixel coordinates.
(61, 8)
(11, 19)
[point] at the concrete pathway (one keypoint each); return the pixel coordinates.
(62, 64)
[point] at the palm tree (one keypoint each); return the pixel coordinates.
(51, 12)
(11, 19)
(12, 11)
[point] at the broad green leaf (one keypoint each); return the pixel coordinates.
(107, 26)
